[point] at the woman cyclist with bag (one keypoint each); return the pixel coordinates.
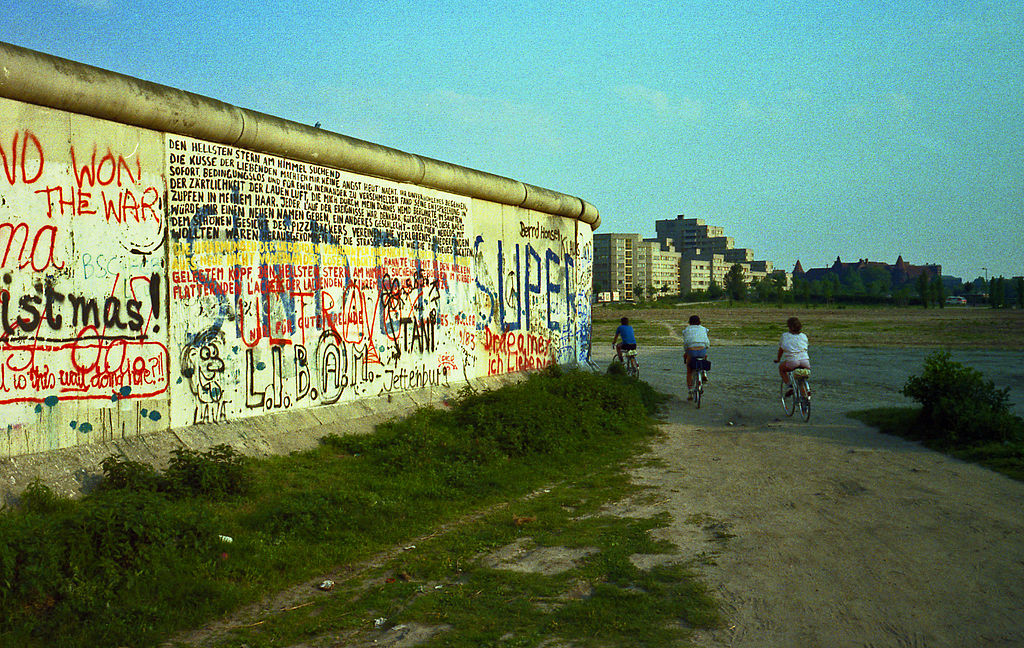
(695, 349)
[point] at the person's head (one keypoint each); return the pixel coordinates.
(794, 325)
(624, 320)
(694, 319)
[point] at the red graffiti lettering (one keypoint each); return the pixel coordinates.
(41, 252)
(17, 161)
(119, 207)
(106, 172)
(512, 351)
(125, 205)
(136, 369)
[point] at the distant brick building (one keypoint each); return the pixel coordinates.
(901, 273)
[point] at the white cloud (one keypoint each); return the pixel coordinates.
(745, 109)
(856, 110)
(798, 96)
(776, 107)
(660, 103)
(640, 94)
(491, 115)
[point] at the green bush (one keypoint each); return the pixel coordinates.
(616, 368)
(491, 426)
(40, 498)
(959, 406)
(217, 473)
(121, 473)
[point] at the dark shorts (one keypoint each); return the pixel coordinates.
(695, 354)
(627, 347)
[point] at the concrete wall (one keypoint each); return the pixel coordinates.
(160, 274)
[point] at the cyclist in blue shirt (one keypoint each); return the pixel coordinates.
(624, 331)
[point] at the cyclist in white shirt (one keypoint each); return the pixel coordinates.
(792, 350)
(695, 346)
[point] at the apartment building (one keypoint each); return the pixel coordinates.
(707, 254)
(658, 269)
(695, 273)
(628, 268)
(758, 270)
(615, 258)
(691, 233)
(739, 255)
(686, 255)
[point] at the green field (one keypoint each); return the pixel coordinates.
(954, 328)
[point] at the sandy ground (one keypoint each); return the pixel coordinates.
(828, 533)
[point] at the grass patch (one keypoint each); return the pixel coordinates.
(1003, 457)
(890, 326)
(600, 600)
(144, 557)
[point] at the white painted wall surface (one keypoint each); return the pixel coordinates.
(154, 281)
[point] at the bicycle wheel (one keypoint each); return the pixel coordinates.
(805, 400)
(633, 367)
(788, 402)
(698, 390)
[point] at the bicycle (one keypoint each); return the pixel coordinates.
(632, 363)
(700, 376)
(797, 393)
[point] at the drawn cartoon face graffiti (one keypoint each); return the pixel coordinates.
(203, 367)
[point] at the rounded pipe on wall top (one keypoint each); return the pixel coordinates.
(552, 202)
(45, 80)
(273, 135)
(37, 78)
(485, 186)
(590, 215)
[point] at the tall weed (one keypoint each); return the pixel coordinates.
(121, 473)
(216, 473)
(40, 498)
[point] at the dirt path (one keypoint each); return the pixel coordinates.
(828, 533)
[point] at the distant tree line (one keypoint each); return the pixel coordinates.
(871, 285)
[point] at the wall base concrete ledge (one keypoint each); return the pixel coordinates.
(73, 472)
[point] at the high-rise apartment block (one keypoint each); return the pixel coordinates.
(707, 254)
(628, 268)
(658, 272)
(686, 255)
(614, 259)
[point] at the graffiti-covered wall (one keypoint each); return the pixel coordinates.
(154, 280)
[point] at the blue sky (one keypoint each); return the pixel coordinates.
(808, 130)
